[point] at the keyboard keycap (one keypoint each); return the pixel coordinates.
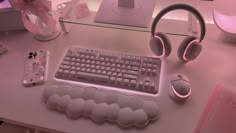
(92, 75)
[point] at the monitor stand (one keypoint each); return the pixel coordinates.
(136, 13)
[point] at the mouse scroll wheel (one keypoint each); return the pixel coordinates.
(180, 76)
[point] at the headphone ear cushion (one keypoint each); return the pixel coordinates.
(189, 49)
(160, 44)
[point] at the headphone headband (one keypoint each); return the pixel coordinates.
(184, 7)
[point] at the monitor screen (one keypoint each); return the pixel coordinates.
(136, 13)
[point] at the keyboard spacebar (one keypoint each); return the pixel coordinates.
(92, 75)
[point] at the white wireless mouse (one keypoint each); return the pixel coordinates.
(180, 88)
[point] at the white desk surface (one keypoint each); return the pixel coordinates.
(23, 106)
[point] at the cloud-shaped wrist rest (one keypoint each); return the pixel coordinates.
(123, 109)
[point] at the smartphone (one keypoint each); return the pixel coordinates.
(35, 68)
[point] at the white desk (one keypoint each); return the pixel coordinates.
(23, 106)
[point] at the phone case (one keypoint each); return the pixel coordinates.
(35, 68)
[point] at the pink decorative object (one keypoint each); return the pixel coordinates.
(44, 26)
(82, 11)
(219, 114)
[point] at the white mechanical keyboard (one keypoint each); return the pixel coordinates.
(111, 69)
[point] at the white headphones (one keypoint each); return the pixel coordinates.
(189, 49)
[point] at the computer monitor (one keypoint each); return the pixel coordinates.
(136, 13)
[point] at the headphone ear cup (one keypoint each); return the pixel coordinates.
(160, 44)
(189, 49)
